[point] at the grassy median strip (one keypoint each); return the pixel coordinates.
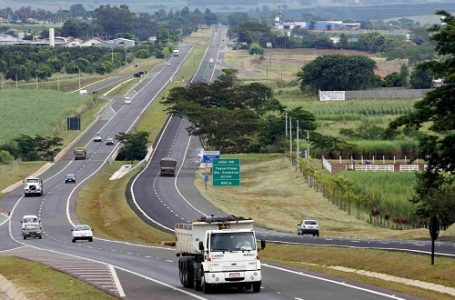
(405, 265)
(38, 281)
(102, 204)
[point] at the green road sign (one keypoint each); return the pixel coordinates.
(226, 172)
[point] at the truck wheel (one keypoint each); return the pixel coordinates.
(40, 237)
(73, 240)
(181, 271)
(190, 273)
(205, 287)
(24, 237)
(197, 284)
(256, 287)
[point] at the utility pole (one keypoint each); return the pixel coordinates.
(16, 80)
(36, 77)
(290, 135)
(308, 144)
(297, 146)
(58, 83)
(286, 128)
(79, 77)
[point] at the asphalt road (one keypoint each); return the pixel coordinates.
(145, 272)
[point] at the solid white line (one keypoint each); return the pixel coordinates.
(177, 176)
(3, 251)
(334, 282)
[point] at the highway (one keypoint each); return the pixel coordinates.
(137, 271)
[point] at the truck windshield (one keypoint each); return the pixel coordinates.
(232, 241)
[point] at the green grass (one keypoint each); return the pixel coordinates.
(102, 204)
(10, 174)
(36, 112)
(38, 281)
(124, 88)
(390, 191)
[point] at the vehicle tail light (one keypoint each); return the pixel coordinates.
(208, 258)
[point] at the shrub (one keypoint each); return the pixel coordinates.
(5, 157)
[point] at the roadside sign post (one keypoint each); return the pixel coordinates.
(226, 172)
(433, 227)
(206, 179)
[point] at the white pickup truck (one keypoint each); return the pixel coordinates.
(33, 186)
(217, 251)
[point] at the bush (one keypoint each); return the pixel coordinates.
(143, 53)
(5, 157)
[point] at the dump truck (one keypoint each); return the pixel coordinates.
(218, 251)
(80, 153)
(33, 186)
(167, 166)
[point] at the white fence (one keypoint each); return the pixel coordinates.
(386, 168)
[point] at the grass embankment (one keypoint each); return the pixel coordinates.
(276, 196)
(405, 265)
(102, 203)
(10, 174)
(38, 281)
(123, 88)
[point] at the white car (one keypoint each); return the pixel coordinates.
(308, 227)
(97, 139)
(82, 232)
(211, 60)
(127, 100)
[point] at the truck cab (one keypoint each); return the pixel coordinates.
(217, 252)
(33, 186)
(80, 153)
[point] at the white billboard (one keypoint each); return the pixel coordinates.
(332, 95)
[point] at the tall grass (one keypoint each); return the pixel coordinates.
(389, 192)
(36, 112)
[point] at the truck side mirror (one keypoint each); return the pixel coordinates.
(263, 244)
(201, 245)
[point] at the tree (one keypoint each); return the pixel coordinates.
(344, 42)
(113, 20)
(143, 53)
(392, 80)
(437, 143)
(404, 73)
(421, 78)
(209, 17)
(134, 145)
(255, 48)
(337, 73)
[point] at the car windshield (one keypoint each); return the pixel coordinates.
(30, 220)
(311, 223)
(70, 175)
(238, 241)
(35, 180)
(81, 227)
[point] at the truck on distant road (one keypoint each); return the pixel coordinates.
(218, 251)
(33, 186)
(168, 166)
(80, 153)
(176, 52)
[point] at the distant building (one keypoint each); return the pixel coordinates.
(93, 42)
(121, 42)
(328, 25)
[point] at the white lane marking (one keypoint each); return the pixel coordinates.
(334, 282)
(3, 251)
(297, 298)
(117, 281)
(168, 260)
